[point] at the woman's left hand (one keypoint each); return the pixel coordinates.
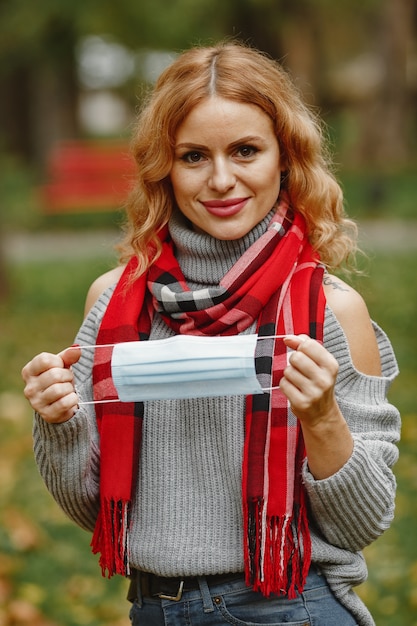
(309, 380)
(309, 384)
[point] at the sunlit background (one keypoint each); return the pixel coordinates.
(72, 75)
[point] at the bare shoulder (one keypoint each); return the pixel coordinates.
(341, 297)
(352, 313)
(101, 284)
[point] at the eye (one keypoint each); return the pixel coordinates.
(192, 157)
(246, 151)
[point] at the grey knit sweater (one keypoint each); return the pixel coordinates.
(187, 516)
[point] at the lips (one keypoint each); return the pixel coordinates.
(225, 208)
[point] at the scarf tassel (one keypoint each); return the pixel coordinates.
(111, 537)
(278, 551)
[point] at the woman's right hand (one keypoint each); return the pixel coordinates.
(49, 385)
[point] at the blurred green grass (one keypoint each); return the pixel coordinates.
(48, 576)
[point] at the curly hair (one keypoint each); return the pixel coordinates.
(236, 72)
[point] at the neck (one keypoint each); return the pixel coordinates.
(203, 259)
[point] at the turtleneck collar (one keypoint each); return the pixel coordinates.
(203, 259)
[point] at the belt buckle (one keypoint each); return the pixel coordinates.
(176, 598)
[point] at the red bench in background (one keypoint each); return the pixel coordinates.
(87, 176)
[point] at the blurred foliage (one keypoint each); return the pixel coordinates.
(315, 39)
(17, 197)
(171, 24)
(48, 577)
(377, 195)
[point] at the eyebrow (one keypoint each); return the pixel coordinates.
(239, 142)
(190, 145)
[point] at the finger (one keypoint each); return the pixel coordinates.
(54, 393)
(63, 409)
(39, 364)
(302, 344)
(301, 361)
(70, 355)
(302, 368)
(297, 379)
(295, 341)
(294, 394)
(51, 377)
(58, 400)
(313, 349)
(45, 388)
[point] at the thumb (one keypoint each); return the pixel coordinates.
(70, 355)
(295, 341)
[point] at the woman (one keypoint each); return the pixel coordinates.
(229, 509)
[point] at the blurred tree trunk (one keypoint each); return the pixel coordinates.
(54, 90)
(257, 27)
(53, 111)
(385, 118)
(39, 96)
(288, 31)
(303, 38)
(14, 111)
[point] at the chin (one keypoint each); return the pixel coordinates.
(224, 231)
(223, 234)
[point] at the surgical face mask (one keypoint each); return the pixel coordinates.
(184, 366)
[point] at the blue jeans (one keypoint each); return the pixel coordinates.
(234, 603)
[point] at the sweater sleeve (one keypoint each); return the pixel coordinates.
(356, 505)
(68, 454)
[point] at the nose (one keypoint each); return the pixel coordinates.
(222, 177)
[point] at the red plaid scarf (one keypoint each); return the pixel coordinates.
(278, 283)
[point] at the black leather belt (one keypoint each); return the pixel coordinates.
(173, 588)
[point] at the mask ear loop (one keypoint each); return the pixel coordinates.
(110, 401)
(112, 345)
(269, 389)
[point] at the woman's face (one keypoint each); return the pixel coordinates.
(226, 169)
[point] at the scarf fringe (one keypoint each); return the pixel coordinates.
(278, 551)
(111, 537)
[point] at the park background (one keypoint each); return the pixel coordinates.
(76, 70)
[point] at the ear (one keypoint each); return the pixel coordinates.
(283, 163)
